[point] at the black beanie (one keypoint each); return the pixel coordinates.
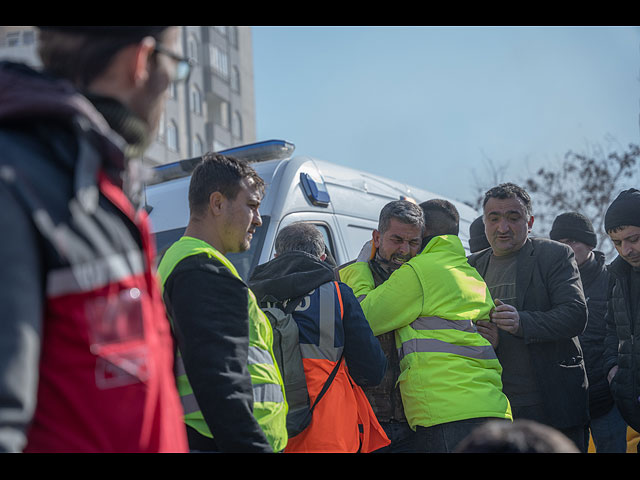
(133, 32)
(574, 226)
(477, 238)
(623, 211)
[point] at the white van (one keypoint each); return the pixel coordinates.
(342, 202)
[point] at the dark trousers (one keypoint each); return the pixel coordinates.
(445, 438)
(578, 434)
(403, 439)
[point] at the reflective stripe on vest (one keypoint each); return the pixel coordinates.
(326, 349)
(92, 275)
(266, 392)
(432, 345)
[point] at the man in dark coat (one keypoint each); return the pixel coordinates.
(622, 343)
(540, 311)
(608, 429)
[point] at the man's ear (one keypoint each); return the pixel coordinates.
(375, 236)
(216, 203)
(530, 223)
(138, 58)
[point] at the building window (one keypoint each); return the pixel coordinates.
(172, 136)
(13, 39)
(221, 112)
(219, 61)
(233, 36)
(196, 100)
(221, 30)
(28, 37)
(236, 125)
(197, 146)
(161, 128)
(173, 91)
(235, 79)
(193, 49)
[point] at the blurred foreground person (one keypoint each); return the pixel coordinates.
(337, 346)
(519, 436)
(230, 386)
(86, 354)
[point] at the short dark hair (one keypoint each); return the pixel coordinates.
(403, 211)
(301, 237)
(509, 190)
(219, 173)
(441, 217)
(82, 56)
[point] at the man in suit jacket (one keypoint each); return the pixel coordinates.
(540, 311)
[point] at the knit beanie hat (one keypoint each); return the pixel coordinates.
(624, 210)
(477, 238)
(574, 226)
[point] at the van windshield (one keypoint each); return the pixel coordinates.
(244, 262)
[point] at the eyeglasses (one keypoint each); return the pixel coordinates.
(183, 69)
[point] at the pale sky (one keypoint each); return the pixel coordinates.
(430, 105)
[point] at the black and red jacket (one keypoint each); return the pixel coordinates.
(86, 354)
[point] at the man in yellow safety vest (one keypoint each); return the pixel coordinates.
(229, 383)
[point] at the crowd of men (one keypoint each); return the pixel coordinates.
(526, 344)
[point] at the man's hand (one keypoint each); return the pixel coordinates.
(505, 317)
(367, 252)
(489, 331)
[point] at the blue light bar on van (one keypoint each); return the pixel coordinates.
(315, 190)
(254, 152)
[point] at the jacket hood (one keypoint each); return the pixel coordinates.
(30, 97)
(592, 268)
(290, 275)
(441, 243)
(28, 94)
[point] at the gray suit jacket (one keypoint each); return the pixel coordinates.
(553, 312)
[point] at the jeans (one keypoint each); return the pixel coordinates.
(403, 439)
(445, 438)
(609, 432)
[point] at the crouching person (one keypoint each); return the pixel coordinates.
(333, 334)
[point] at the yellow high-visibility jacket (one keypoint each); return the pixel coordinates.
(449, 372)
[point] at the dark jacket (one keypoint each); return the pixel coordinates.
(553, 312)
(622, 343)
(294, 274)
(595, 282)
(86, 353)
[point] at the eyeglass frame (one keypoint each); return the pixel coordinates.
(184, 61)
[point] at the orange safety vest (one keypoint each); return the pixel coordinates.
(343, 421)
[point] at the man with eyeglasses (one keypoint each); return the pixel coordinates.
(86, 353)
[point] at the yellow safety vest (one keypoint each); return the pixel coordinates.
(270, 406)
